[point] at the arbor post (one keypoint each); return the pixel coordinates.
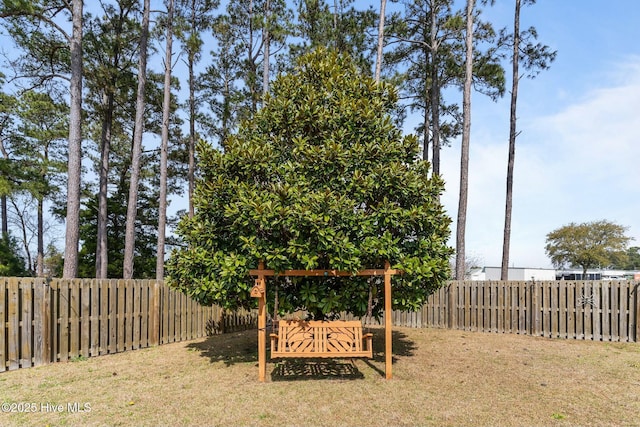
(261, 288)
(388, 333)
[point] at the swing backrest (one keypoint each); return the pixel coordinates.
(340, 338)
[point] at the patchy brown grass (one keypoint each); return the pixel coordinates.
(441, 378)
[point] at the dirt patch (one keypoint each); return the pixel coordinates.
(441, 377)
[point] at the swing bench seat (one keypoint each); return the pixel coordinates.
(310, 339)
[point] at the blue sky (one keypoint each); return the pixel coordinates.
(578, 156)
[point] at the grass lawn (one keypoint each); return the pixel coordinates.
(441, 377)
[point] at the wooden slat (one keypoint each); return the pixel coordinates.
(4, 356)
(545, 292)
(104, 317)
(54, 292)
(113, 316)
(579, 311)
(26, 288)
(623, 331)
(524, 309)
(555, 312)
(173, 298)
(154, 314)
(13, 336)
(120, 316)
(588, 311)
(597, 310)
(474, 309)
(41, 323)
(322, 273)
(615, 306)
(75, 303)
(562, 306)
(636, 317)
(606, 312)
(64, 301)
(128, 317)
(183, 317)
(165, 314)
(571, 308)
(501, 307)
(145, 313)
(85, 317)
(94, 288)
(136, 315)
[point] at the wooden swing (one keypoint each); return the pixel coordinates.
(319, 338)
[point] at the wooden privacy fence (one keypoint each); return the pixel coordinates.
(44, 321)
(587, 310)
(57, 320)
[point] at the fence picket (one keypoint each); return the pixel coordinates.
(4, 357)
(615, 294)
(26, 288)
(13, 338)
(113, 316)
(623, 312)
(94, 289)
(103, 324)
(41, 343)
(562, 308)
(85, 317)
(64, 321)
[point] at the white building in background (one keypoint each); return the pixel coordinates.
(597, 274)
(521, 273)
(514, 273)
(540, 274)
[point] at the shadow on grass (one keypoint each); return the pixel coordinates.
(242, 347)
(230, 348)
(315, 369)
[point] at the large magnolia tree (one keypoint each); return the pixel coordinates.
(319, 178)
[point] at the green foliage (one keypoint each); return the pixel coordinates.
(336, 24)
(53, 262)
(320, 178)
(590, 244)
(11, 262)
(631, 261)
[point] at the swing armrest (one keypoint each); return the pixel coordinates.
(274, 340)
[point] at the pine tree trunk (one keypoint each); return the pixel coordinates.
(72, 236)
(435, 93)
(166, 107)
(40, 238)
(266, 42)
(383, 5)
(102, 255)
(136, 152)
(192, 116)
(504, 271)
(464, 157)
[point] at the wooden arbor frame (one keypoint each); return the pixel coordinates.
(260, 291)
